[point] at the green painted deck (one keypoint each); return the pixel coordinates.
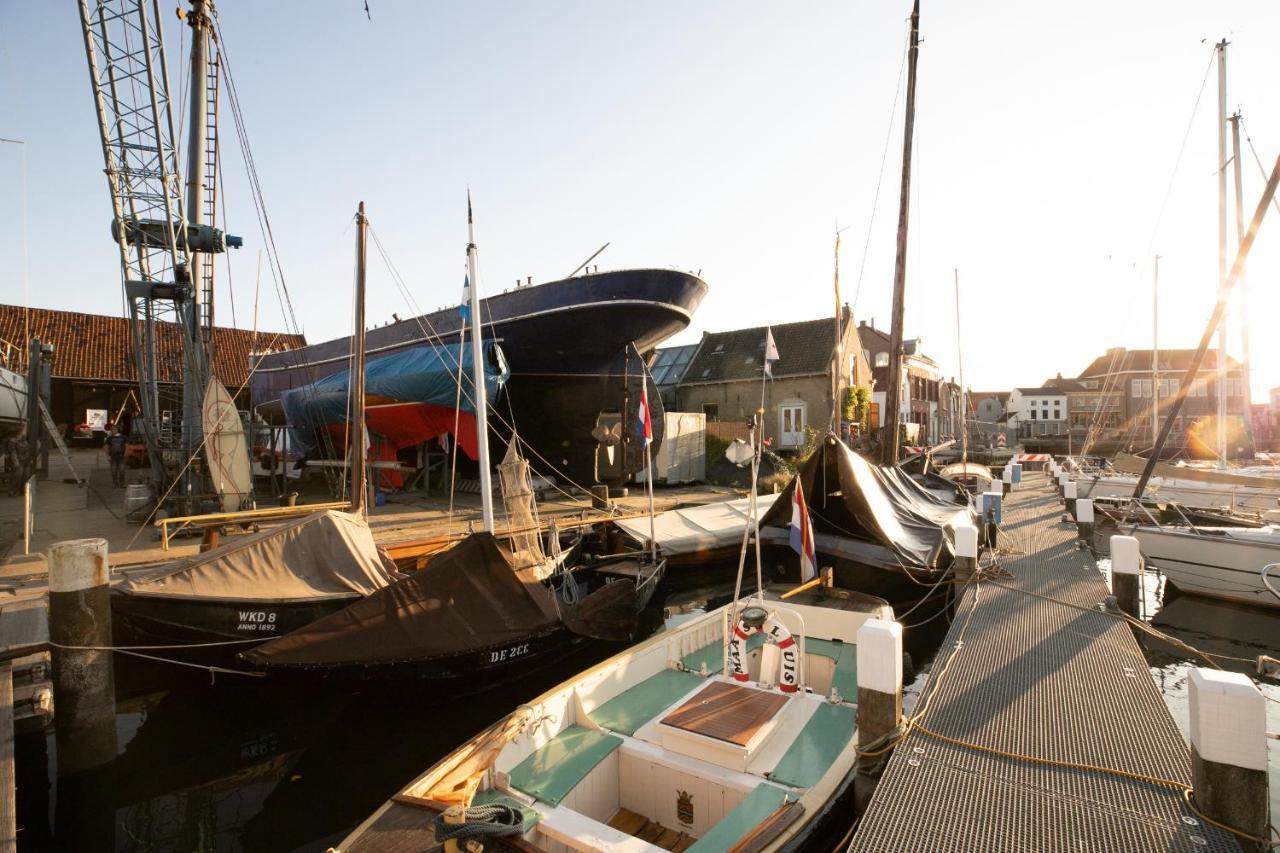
(551, 772)
(816, 747)
(637, 705)
(757, 806)
(489, 796)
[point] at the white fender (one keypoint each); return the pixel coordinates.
(788, 681)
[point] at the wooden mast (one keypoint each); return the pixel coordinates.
(1155, 351)
(1221, 358)
(356, 430)
(890, 441)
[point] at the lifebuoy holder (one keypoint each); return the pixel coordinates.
(756, 619)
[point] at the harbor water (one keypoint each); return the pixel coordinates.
(231, 762)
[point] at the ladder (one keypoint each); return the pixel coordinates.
(50, 428)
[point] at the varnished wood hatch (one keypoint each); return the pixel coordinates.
(728, 712)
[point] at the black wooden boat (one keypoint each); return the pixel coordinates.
(472, 616)
(254, 587)
(566, 343)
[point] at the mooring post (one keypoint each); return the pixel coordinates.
(83, 681)
(1084, 520)
(1016, 468)
(879, 659)
(8, 794)
(1069, 498)
(599, 497)
(1229, 751)
(1006, 479)
(992, 515)
(1126, 572)
(966, 546)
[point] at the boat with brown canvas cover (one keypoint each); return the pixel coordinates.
(259, 586)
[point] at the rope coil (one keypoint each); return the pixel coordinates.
(494, 819)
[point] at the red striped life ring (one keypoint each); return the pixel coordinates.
(788, 681)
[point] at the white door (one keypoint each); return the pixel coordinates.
(791, 428)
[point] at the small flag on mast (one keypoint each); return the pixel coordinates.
(465, 307)
(646, 425)
(802, 533)
(770, 352)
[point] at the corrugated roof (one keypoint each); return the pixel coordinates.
(98, 347)
(804, 348)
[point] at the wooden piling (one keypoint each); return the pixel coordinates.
(1229, 751)
(8, 794)
(1126, 573)
(80, 631)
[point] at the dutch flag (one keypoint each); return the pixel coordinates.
(802, 533)
(646, 425)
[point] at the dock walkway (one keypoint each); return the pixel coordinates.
(1029, 676)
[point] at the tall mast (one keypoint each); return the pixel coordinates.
(1221, 358)
(1244, 291)
(889, 443)
(837, 365)
(196, 350)
(1155, 352)
(355, 430)
(964, 393)
(477, 373)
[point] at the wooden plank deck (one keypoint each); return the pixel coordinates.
(1033, 677)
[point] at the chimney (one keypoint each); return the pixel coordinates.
(529, 280)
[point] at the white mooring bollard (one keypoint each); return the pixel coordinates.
(1084, 520)
(1069, 498)
(966, 544)
(1126, 572)
(1229, 750)
(879, 658)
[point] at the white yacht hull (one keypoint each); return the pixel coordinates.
(1188, 492)
(13, 397)
(1217, 564)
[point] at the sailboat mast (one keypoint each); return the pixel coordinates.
(477, 372)
(837, 364)
(964, 393)
(1155, 351)
(889, 443)
(355, 430)
(1221, 359)
(1244, 291)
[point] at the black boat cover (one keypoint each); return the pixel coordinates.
(468, 599)
(322, 556)
(848, 496)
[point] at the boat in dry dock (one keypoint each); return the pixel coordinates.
(566, 343)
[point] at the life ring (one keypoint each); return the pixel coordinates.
(749, 623)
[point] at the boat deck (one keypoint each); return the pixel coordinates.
(1026, 675)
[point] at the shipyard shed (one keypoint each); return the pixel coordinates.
(94, 366)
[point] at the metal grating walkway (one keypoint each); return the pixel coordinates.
(1036, 678)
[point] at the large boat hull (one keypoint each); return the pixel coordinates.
(1216, 566)
(566, 343)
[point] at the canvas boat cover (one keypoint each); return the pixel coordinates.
(468, 599)
(327, 555)
(410, 396)
(697, 529)
(848, 496)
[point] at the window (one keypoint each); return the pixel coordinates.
(1044, 414)
(1200, 388)
(712, 411)
(718, 350)
(1057, 413)
(1140, 388)
(1031, 403)
(1033, 414)
(882, 359)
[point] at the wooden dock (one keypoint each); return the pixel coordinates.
(1038, 679)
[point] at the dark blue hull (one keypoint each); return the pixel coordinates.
(565, 342)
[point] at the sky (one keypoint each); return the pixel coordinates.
(725, 138)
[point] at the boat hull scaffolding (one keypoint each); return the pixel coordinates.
(565, 343)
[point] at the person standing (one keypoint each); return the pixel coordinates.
(116, 445)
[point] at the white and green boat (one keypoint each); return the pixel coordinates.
(666, 746)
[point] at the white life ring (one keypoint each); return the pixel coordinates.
(788, 682)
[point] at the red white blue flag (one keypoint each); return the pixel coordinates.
(645, 425)
(802, 533)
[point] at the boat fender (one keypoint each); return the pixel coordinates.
(781, 636)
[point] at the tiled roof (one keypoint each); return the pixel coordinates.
(97, 347)
(1140, 360)
(1041, 392)
(803, 348)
